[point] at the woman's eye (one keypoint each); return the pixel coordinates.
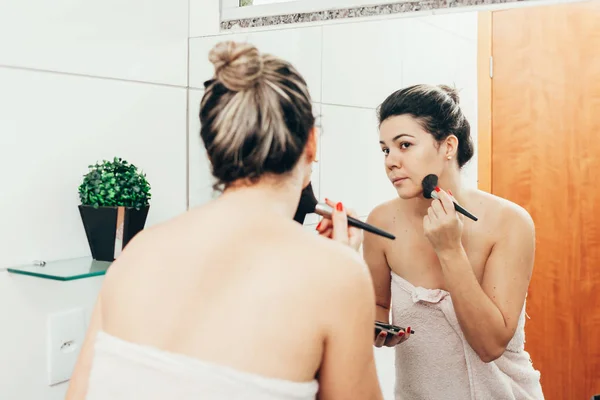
(385, 151)
(405, 145)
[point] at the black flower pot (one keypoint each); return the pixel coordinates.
(109, 229)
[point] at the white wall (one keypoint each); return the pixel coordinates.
(351, 66)
(79, 82)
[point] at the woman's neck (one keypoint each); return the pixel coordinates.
(450, 181)
(267, 196)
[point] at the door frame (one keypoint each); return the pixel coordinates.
(484, 101)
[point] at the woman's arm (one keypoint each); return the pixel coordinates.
(348, 368)
(489, 313)
(374, 256)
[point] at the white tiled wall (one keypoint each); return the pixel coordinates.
(352, 169)
(362, 62)
(130, 40)
(300, 46)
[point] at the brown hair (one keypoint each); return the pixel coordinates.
(437, 109)
(256, 114)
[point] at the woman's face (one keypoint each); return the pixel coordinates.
(411, 153)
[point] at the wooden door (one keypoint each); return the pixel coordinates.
(544, 154)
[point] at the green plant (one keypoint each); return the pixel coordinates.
(114, 183)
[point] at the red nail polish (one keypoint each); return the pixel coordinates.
(318, 226)
(437, 189)
(408, 329)
(339, 206)
(401, 333)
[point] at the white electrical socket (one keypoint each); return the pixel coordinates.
(66, 332)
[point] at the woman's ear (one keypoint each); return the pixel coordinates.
(312, 146)
(451, 147)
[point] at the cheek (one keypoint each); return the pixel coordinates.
(417, 159)
(421, 162)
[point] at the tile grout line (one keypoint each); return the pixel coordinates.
(79, 75)
(321, 113)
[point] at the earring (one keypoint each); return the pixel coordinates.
(449, 157)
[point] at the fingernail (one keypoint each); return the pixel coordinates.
(326, 200)
(401, 333)
(382, 334)
(318, 226)
(408, 329)
(339, 207)
(450, 191)
(437, 189)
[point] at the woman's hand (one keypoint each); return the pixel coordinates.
(390, 340)
(442, 224)
(337, 227)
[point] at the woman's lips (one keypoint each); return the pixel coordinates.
(398, 181)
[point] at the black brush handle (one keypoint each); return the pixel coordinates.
(457, 207)
(357, 223)
(464, 212)
(325, 210)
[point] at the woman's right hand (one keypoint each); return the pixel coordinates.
(390, 340)
(337, 227)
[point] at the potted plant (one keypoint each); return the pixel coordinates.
(115, 199)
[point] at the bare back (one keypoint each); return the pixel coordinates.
(247, 290)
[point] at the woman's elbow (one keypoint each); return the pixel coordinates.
(491, 351)
(489, 356)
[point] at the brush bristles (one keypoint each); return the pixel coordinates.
(307, 204)
(429, 184)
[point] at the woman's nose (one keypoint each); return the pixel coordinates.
(392, 161)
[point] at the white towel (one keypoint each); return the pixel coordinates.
(438, 363)
(126, 371)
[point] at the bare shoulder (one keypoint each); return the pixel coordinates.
(504, 214)
(333, 257)
(380, 215)
(341, 281)
(338, 270)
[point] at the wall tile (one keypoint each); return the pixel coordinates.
(362, 62)
(205, 17)
(352, 164)
(133, 40)
(302, 47)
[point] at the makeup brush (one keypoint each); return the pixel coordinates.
(309, 204)
(306, 204)
(430, 191)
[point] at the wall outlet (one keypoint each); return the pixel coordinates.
(66, 332)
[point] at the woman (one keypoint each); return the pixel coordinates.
(234, 299)
(461, 285)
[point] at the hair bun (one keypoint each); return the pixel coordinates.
(238, 66)
(452, 92)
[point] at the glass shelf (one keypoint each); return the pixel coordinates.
(64, 270)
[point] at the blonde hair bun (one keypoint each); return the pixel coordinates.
(238, 66)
